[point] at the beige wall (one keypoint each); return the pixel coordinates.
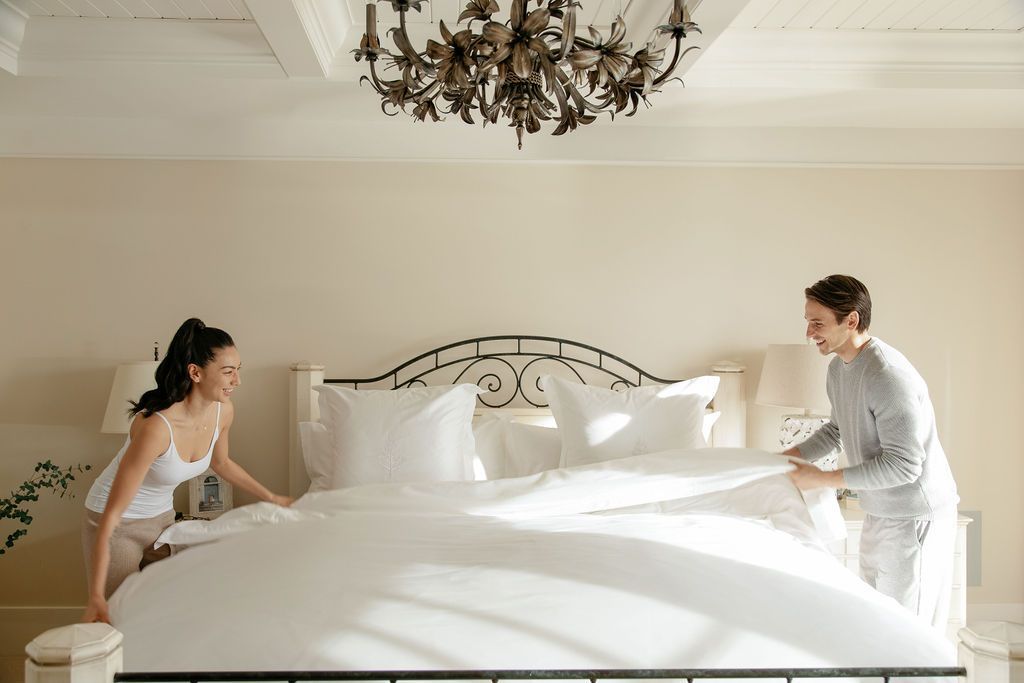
(360, 266)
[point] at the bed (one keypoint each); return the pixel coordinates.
(626, 559)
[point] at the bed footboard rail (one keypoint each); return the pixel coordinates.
(92, 653)
(591, 675)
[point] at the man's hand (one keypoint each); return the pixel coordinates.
(807, 476)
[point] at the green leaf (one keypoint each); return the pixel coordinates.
(46, 475)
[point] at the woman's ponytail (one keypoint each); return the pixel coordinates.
(193, 343)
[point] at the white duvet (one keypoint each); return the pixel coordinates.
(681, 559)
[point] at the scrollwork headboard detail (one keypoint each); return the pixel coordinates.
(509, 367)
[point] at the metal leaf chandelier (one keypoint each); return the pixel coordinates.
(532, 68)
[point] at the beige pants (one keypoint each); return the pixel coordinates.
(131, 546)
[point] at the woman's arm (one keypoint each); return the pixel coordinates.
(232, 472)
(149, 438)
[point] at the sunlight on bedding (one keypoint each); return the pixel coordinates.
(605, 427)
(670, 560)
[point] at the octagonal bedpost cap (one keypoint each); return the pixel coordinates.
(1001, 639)
(727, 366)
(74, 644)
(304, 366)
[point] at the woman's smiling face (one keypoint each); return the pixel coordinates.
(219, 378)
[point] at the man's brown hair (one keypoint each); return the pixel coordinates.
(843, 294)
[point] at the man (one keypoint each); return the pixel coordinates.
(883, 418)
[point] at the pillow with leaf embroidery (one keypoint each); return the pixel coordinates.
(601, 424)
(401, 435)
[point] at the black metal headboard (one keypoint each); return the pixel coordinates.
(511, 365)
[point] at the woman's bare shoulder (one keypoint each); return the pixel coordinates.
(227, 414)
(149, 428)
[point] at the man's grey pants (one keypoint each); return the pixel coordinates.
(911, 561)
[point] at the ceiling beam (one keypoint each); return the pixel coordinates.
(711, 16)
(305, 35)
(12, 32)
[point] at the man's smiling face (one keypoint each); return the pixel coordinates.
(828, 334)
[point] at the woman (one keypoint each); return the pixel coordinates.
(181, 431)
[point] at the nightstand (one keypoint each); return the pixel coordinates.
(848, 551)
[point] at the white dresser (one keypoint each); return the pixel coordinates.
(848, 551)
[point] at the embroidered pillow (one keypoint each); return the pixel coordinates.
(317, 454)
(401, 435)
(601, 424)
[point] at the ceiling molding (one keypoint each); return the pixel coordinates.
(304, 34)
(402, 141)
(12, 33)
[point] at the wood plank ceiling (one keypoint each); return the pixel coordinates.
(869, 15)
(228, 10)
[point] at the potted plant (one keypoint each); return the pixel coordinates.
(46, 476)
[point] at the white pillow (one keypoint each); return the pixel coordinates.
(530, 449)
(709, 424)
(602, 424)
(317, 454)
(489, 438)
(506, 448)
(399, 435)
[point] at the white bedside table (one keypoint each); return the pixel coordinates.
(848, 551)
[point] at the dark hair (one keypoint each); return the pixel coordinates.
(843, 294)
(194, 342)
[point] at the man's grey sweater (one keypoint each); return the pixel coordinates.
(883, 418)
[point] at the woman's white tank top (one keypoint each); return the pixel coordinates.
(156, 494)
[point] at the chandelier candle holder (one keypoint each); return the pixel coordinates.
(530, 69)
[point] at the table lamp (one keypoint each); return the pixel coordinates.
(130, 381)
(793, 376)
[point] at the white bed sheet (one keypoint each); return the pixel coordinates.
(718, 568)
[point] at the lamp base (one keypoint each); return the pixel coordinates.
(797, 428)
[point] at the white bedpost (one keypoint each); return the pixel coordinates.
(79, 653)
(992, 652)
(731, 400)
(304, 408)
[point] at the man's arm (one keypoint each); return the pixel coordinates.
(825, 441)
(895, 402)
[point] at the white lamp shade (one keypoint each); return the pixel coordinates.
(793, 376)
(130, 382)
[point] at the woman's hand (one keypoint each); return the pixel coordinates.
(96, 611)
(283, 501)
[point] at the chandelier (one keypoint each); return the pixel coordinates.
(530, 69)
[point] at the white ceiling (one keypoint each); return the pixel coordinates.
(968, 15)
(229, 10)
(884, 15)
(849, 82)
